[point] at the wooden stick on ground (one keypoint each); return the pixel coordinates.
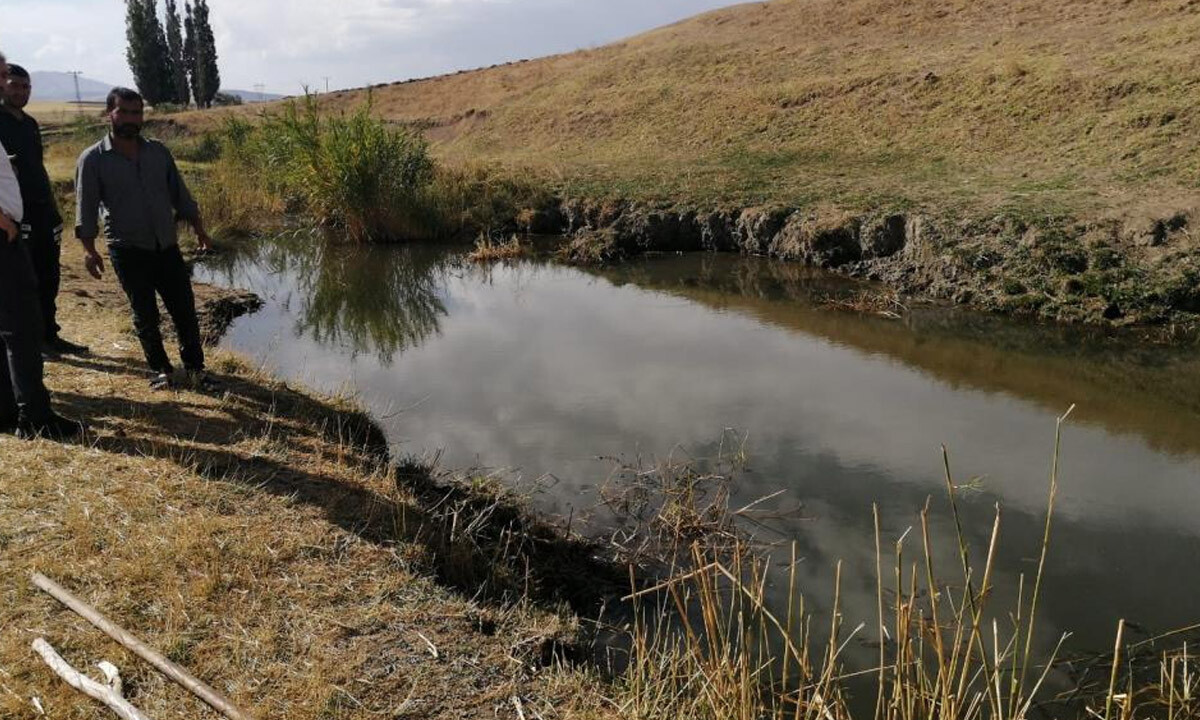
(109, 694)
(189, 682)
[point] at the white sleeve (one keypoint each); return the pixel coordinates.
(10, 191)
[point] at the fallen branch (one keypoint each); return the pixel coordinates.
(186, 680)
(109, 694)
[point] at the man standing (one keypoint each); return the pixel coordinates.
(24, 401)
(134, 185)
(42, 226)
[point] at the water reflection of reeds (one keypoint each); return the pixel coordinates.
(368, 300)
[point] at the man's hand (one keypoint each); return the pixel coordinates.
(94, 264)
(9, 228)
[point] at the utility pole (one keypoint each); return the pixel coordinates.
(326, 84)
(78, 99)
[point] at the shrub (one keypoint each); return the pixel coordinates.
(235, 191)
(205, 148)
(235, 201)
(167, 108)
(355, 171)
(487, 201)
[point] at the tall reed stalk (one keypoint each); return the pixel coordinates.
(705, 644)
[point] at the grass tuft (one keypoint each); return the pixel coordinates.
(488, 250)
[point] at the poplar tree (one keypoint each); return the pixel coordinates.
(147, 51)
(175, 50)
(206, 57)
(189, 52)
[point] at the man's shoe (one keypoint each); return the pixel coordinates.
(162, 381)
(8, 424)
(58, 346)
(54, 427)
(201, 381)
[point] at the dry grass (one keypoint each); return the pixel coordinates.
(253, 537)
(873, 301)
(54, 114)
(489, 250)
(1085, 105)
(235, 201)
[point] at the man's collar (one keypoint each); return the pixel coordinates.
(106, 145)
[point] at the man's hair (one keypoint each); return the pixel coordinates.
(15, 70)
(121, 93)
(2, 58)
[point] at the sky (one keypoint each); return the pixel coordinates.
(289, 44)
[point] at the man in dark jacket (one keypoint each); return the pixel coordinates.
(42, 226)
(24, 401)
(133, 185)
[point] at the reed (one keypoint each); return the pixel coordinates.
(706, 644)
(362, 177)
(352, 171)
(489, 250)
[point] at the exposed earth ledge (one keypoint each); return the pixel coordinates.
(1118, 272)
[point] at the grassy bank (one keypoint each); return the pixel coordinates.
(255, 537)
(364, 180)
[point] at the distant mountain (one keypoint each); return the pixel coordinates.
(60, 86)
(253, 96)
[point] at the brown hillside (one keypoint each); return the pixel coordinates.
(1079, 104)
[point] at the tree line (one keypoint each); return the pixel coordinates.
(175, 63)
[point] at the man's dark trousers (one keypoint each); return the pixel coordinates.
(44, 240)
(145, 273)
(21, 388)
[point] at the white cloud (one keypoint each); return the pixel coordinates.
(83, 35)
(285, 45)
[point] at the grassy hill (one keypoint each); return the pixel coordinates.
(1087, 105)
(1016, 155)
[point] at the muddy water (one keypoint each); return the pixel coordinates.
(545, 370)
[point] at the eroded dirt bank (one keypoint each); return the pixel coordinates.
(1131, 271)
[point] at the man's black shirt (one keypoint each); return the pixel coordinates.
(22, 138)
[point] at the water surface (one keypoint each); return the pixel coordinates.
(546, 369)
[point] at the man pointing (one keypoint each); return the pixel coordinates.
(133, 185)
